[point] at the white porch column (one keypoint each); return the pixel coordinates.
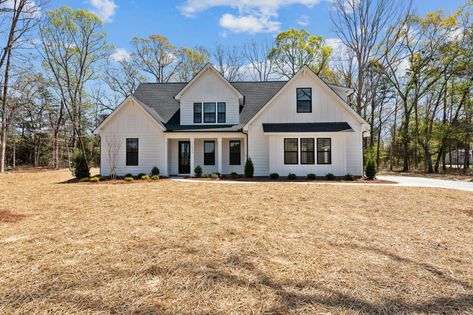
(220, 154)
(165, 171)
(192, 157)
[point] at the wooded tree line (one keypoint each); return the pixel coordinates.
(412, 77)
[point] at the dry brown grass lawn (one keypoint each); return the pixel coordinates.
(169, 247)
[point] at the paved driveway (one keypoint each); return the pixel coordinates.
(400, 181)
(429, 182)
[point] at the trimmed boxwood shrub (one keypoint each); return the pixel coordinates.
(155, 171)
(79, 164)
(145, 177)
(330, 176)
(94, 179)
(154, 177)
(249, 168)
(216, 175)
(84, 180)
(349, 177)
(129, 179)
(274, 175)
(141, 175)
(128, 175)
(198, 171)
(292, 176)
(311, 176)
(233, 175)
(370, 170)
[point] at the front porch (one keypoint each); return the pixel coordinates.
(214, 152)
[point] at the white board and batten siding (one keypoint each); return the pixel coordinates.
(267, 152)
(130, 121)
(210, 88)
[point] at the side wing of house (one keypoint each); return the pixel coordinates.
(322, 136)
(132, 140)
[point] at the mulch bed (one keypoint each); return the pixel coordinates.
(300, 180)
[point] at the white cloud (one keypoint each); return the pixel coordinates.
(303, 20)
(104, 9)
(120, 54)
(254, 16)
(248, 24)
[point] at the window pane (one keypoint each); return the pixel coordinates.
(221, 112)
(209, 112)
(290, 151)
(235, 152)
(304, 100)
(307, 151)
(209, 153)
(324, 151)
(132, 151)
(197, 113)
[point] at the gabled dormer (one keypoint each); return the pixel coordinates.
(209, 99)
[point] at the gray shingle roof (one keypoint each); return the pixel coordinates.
(160, 97)
(308, 127)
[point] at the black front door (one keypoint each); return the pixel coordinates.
(184, 157)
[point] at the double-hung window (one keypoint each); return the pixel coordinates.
(221, 112)
(304, 100)
(290, 151)
(209, 152)
(307, 151)
(209, 113)
(197, 113)
(132, 151)
(324, 151)
(235, 152)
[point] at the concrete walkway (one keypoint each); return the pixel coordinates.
(401, 181)
(429, 182)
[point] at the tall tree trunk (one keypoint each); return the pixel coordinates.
(4, 113)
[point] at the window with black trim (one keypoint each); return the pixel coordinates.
(197, 113)
(235, 152)
(209, 152)
(304, 100)
(307, 151)
(290, 151)
(324, 151)
(221, 112)
(132, 151)
(209, 112)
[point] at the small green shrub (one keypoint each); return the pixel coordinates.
(233, 175)
(206, 176)
(330, 176)
(223, 176)
(94, 179)
(154, 177)
(128, 175)
(274, 175)
(155, 171)
(311, 176)
(79, 164)
(104, 178)
(291, 176)
(84, 180)
(349, 177)
(249, 168)
(145, 177)
(370, 170)
(128, 179)
(198, 171)
(215, 176)
(141, 175)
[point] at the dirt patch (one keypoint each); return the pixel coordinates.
(7, 216)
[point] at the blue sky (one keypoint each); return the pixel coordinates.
(205, 23)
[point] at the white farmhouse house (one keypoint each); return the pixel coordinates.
(298, 126)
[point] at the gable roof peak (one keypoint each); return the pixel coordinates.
(205, 69)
